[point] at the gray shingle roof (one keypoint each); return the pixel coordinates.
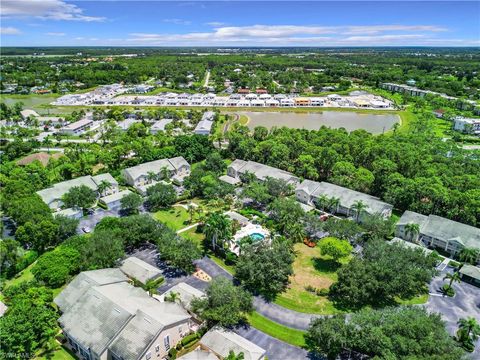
(199, 354)
(308, 186)
(221, 341)
(140, 270)
(471, 271)
(156, 166)
(58, 190)
(261, 171)
(178, 162)
(410, 217)
(186, 292)
(115, 197)
(118, 315)
(97, 179)
(85, 280)
(447, 230)
(349, 197)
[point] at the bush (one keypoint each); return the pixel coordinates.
(27, 259)
(310, 288)
(230, 258)
(189, 339)
(172, 354)
(448, 290)
(322, 292)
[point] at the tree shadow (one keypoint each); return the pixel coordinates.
(325, 265)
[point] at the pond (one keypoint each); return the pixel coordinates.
(350, 120)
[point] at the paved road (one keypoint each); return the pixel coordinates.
(276, 349)
(466, 303)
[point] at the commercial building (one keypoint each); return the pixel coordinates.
(261, 172)
(313, 193)
(104, 317)
(436, 232)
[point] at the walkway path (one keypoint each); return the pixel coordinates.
(207, 79)
(187, 228)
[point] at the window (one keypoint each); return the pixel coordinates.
(180, 329)
(166, 342)
(148, 355)
(157, 348)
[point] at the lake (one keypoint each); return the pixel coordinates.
(350, 120)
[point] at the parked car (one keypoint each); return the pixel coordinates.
(86, 229)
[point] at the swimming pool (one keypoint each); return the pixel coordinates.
(256, 237)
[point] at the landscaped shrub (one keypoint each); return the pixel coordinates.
(27, 259)
(230, 258)
(322, 292)
(187, 340)
(448, 290)
(172, 354)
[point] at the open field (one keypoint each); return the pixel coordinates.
(175, 217)
(24, 275)
(310, 268)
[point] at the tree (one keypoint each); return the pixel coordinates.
(385, 271)
(130, 203)
(381, 334)
(468, 333)
(218, 230)
(335, 248)
(66, 227)
(216, 310)
(286, 212)
(55, 267)
(265, 269)
(103, 249)
(39, 235)
(469, 255)
(359, 206)
(412, 230)
(232, 356)
(453, 277)
(178, 252)
(103, 187)
(79, 197)
(160, 196)
(333, 204)
(30, 322)
(215, 163)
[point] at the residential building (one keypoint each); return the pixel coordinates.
(302, 101)
(106, 179)
(142, 174)
(52, 196)
(241, 167)
(470, 274)
(27, 113)
(467, 125)
(70, 213)
(186, 293)
(436, 232)
(114, 201)
(312, 192)
(204, 127)
(159, 126)
(104, 317)
(221, 342)
(77, 128)
(140, 270)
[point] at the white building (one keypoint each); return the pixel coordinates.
(467, 125)
(204, 126)
(77, 128)
(159, 126)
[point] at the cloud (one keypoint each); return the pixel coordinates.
(177, 21)
(215, 23)
(55, 34)
(9, 31)
(44, 9)
(290, 35)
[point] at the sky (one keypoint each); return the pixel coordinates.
(239, 23)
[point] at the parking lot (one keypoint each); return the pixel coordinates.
(90, 221)
(465, 303)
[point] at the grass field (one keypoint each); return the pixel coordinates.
(24, 275)
(175, 217)
(417, 300)
(291, 336)
(310, 268)
(193, 235)
(60, 353)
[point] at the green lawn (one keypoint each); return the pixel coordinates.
(417, 300)
(310, 268)
(193, 235)
(291, 336)
(60, 354)
(24, 275)
(175, 217)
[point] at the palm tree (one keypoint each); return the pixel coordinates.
(191, 211)
(103, 187)
(231, 356)
(296, 232)
(151, 177)
(217, 229)
(164, 173)
(333, 204)
(468, 331)
(469, 255)
(359, 206)
(321, 201)
(151, 287)
(453, 277)
(172, 297)
(412, 230)
(47, 142)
